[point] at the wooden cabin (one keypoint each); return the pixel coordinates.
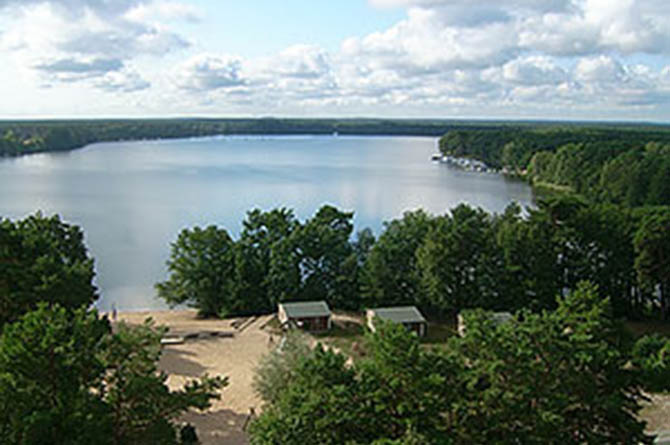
(312, 316)
(408, 316)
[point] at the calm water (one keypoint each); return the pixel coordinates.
(132, 198)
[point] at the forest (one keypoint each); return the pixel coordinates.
(25, 137)
(466, 258)
(483, 139)
(626, 165)
(571, 375)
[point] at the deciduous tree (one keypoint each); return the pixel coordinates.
(202, 272)
(390, 275)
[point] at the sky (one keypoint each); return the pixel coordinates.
(486, 59)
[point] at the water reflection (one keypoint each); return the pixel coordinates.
(132, 198)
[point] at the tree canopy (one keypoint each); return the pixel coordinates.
(43, 259)
(547, 377)
(626, 165)
(66, 378)
(276, 258)
(465, 258)
(26, 137)
(202, 266)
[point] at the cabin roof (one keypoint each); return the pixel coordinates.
(400, 314)
(306, 309)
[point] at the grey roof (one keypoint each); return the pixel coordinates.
(306, 309)
(400, 314)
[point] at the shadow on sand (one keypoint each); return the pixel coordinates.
(179, 362)
(219, 427)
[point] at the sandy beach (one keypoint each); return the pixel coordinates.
(235, 357)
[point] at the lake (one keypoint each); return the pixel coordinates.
(132, 198)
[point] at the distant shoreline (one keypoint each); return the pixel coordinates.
(22, 137)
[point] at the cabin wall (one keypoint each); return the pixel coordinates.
(317, 323)
(419, 328)
(314, 323)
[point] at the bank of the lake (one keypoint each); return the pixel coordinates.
(132, 198)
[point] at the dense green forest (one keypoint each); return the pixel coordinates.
(484, 139)
(628, 165)
(466, 258)
(565, 369)
(23, 137)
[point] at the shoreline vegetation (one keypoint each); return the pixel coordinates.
(28, 137)
(619, 163)
(624, 165)
(443, 264)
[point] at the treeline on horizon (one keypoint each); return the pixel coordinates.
(625, 165)
(466, 258)
(25, 137)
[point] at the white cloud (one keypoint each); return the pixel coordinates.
(66, 40)
(601, 69)
(210, 72)
(299, 74)
(169, 10)
(534, 70)
(421, 44)
(124, 42)
(464, 30)
(122, 81)
(300, 61)
(72, 69)
(75, 8)
(594, 26)
(445, 57)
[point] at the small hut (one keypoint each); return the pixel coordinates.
(408, 316)
(309, 315)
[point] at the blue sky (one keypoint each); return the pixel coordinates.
(264, 27)
(521, 59)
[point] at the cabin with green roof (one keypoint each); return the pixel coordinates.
(309, 315)
(408, 316)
